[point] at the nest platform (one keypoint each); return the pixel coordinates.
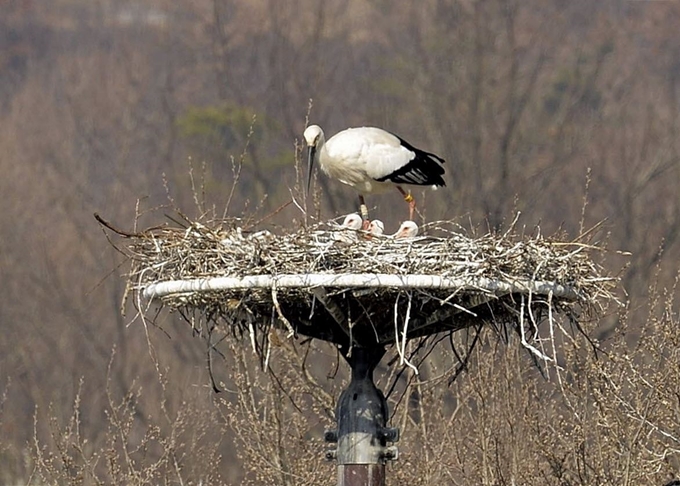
(333, 284)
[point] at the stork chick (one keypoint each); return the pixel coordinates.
(348, 229)
(376, 228)
(408, 229)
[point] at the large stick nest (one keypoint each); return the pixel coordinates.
(325, 282)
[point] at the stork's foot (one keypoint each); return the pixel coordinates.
(408, 197)
(363, 210)
(411, 208)
(364, 215)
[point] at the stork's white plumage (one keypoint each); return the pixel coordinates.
(348, 229)
(371, 160)
(408, 229)
(376, 227)
(352, 221)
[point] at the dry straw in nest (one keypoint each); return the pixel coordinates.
(335, 284)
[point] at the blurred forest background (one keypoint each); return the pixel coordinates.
(537, 106)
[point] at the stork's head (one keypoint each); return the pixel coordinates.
(352, 221)
(314, 138)
(376, 227)
(408, 229)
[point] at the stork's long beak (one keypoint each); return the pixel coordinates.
(310, 165)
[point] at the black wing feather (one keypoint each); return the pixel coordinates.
(424, 169)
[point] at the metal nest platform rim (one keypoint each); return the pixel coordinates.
(358, 281)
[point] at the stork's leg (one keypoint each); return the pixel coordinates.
(363, 209)
(410, 200)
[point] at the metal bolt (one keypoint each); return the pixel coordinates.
(331, 455)
(330, 436)
(390, 453)
(389, 434)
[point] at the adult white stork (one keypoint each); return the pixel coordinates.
(371, 160)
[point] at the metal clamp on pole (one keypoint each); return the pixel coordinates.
(331, 437)
(389, 434)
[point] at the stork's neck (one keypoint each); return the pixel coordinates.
(321, 143)
(321, 152)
